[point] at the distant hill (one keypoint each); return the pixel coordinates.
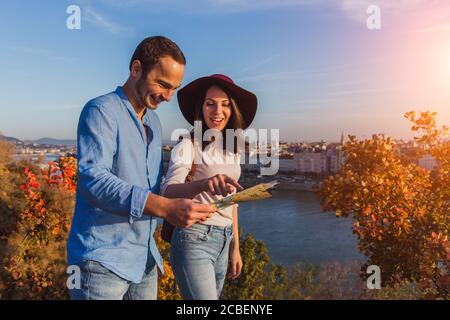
(53, 141)
(49, 141)
(11, 139)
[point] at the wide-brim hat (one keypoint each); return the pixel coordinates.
(187, 97)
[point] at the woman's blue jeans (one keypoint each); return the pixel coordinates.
(199, 259)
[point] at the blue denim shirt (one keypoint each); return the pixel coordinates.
(117, 169)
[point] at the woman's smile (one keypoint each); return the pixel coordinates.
(217, 120)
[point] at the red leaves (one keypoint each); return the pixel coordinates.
(367, 210)
(37, 247)
(31, 182)
(42, 223)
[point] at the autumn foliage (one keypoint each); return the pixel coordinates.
(33, 248)
(36, 206)
(400, 215)
(400, 210)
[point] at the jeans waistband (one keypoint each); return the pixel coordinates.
(209, 228)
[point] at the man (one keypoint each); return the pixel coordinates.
(119, 175)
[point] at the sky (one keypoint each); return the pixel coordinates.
(316, 67)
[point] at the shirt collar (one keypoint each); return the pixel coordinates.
(145, 119)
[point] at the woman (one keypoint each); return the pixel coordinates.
(199, 254)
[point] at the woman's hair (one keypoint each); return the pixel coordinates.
(236, 120)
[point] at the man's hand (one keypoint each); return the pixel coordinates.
(220, 184)
(184, 212)
(179, 212)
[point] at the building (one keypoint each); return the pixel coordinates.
(311, 162)
(287, 164)
(335, 160)
(318, 158)
(427, 162)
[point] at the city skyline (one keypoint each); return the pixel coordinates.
(315, 66)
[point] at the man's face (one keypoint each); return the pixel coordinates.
(160, 83)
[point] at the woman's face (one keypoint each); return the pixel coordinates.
(216, 108)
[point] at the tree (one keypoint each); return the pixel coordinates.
(260, 277)
(400, 211)
(38, 214)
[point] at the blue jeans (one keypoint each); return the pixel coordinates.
(99, 283)
(199, 259)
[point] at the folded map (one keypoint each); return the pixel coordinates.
(258, 192)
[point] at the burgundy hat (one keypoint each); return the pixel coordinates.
(187, 96)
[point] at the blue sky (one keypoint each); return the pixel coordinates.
(315, 67)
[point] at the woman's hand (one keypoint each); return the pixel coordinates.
(235, 267)
(220, 184)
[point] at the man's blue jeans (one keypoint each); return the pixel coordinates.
(199, 259)
(99, 283)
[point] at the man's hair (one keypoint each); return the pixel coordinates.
(151, 49)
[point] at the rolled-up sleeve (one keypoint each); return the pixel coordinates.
(180, 164)
(97, 143)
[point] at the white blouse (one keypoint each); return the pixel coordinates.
(213, 161)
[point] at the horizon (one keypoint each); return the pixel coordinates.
(168, 141)
(316, 67)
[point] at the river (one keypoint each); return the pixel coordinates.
(294, 228)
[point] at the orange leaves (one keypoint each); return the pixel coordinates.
(446, 246)
(56, 230)
(402, 213)
(429, 133)
(438, 237)
(167, 289)
(68, 167)
(400, 210)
